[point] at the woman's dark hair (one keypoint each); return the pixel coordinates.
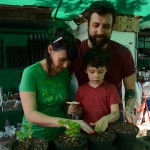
(63, 40)
(96, 58)
(101, 8)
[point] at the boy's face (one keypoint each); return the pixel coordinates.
(96, 75)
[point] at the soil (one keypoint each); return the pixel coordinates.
(102, 141)
(108, 135)
(31, 144)
(66, 140)
(125, 127)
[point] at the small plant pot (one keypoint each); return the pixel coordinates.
(63, 142)
(125, 135)
(30, 144)
(103, 141)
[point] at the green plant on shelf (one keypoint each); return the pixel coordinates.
(73, 128)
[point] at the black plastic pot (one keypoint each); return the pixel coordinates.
(70, 146)
(125, 135)
(103, 141)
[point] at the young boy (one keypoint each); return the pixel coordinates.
(98, 99)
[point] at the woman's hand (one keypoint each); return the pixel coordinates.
(85, 126)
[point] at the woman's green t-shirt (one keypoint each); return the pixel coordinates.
(51, 92)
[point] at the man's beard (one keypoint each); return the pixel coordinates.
(104, 40)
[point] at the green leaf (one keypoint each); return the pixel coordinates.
(74, 128)
(61, 121)
(27, 132)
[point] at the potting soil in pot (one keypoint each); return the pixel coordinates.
(125, 135)
(30, 144)
(102, 141)
(64, 142)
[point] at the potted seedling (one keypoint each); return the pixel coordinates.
(71, 138)
(125, 134)
(27, 142)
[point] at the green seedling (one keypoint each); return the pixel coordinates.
(72, 130)
(27, 134)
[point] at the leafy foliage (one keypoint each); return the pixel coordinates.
(20, 135)
(73, 128)
(26, 134)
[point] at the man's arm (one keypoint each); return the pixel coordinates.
(130, 97)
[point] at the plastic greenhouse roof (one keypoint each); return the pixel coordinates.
(70, 9)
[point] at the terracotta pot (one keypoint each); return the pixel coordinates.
(33, 143)
(103, 141)
(125, 135)
(63, 142)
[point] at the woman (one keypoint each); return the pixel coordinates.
(44, 86)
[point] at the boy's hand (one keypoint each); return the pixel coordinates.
(72, 107)
(101, 125)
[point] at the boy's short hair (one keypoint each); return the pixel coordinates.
(96, 58)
